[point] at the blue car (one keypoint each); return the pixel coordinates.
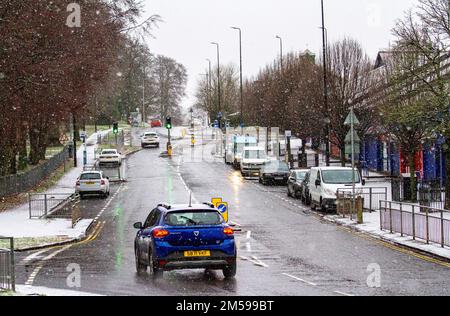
(185, 237)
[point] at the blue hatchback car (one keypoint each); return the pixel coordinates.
(185, 237)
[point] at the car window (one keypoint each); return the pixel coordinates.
(300, 175)
(90, 176)
(255, 154)
(193, 218)
(152, 219)
(150, 135)
(109, 152)
(340, 176)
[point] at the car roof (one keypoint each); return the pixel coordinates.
(93, 171)
(185, 207)
(153, 133)
(109, 150)
(332, 168)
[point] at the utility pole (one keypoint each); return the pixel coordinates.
(281, 53)
(325, 90)
(241, 80)
(218, 80)
(143, 98)
(75, 160)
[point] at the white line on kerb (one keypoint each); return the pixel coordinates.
(298, 279)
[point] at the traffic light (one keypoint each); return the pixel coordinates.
(168, 122)
(116, 128)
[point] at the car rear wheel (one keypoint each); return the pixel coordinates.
(230, 271)
(140, 268)
(154, 270)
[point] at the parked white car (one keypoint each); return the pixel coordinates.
(92, 183)
(110, 157)
(234, 150)
(253, 159)
(325, 182)
(149, 139)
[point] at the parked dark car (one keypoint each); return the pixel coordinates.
(295, 182)
(306, 196)
(274, 172)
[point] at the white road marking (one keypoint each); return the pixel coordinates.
(343, 294)
(34, 256)
(38, 269)
(298, 279)
(249, 234)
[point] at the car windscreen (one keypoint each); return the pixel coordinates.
(255, 154)
(90, 176)
(340, 176)
(193, 218)
(301, 175)
(276, 167)
(109, 152)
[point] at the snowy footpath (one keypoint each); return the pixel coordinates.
(371, 227)
(16, 223)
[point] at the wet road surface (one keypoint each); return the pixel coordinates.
(284, 248)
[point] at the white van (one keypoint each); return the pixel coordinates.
(253, 159)
(325, 182)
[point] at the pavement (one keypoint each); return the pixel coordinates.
(15, 222)
(284, 247)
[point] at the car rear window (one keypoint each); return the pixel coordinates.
(90, 176)
(110, 152)
(193, 218)
(150, 135)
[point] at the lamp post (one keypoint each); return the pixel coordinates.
(209, 84)
(281, 52)
(218, 79)
(325, 88)
(240, 71)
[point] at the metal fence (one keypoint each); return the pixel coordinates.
(371, 197)
(117, 141)
(422, 222)
(43, 205)
(7, 265)
(429, 193)
(15, 184)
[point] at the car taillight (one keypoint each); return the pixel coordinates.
(78, 183)
(103, 182)
(228, 231)
(160, 233)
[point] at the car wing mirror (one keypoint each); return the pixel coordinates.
(138, 225)
(318, 183)
(364, 182)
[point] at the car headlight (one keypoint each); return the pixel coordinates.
(330, 192)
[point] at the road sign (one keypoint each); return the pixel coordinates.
(219, 115)
(288, 133)
(221, 206)
(349, 119)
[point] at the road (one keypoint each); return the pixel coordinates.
(284, 247)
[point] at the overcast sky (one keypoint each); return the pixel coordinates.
(190, 25)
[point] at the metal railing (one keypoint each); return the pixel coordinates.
(43, 205)
(418, 221)
(15, 184)
(371, 197)
(7, 265)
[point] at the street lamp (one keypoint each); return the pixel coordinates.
(218, 79)
(281, 52)
(325, 87)
(240, 67)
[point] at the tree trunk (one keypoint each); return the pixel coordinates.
(342, 153)
(447, 175)
(23, 155)
(412, 172)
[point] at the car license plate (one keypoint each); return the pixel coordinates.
(190, 254)
(279, 178)
(90, 183)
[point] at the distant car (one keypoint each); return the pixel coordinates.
(185, 237)
(110, 157)
(295, 182)
(274, 172)
(305, 197)
(325, 182)
(92, 183)
(156, 123)
(149, 139)
(252, 160)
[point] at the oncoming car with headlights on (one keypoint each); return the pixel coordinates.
(185, 237)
